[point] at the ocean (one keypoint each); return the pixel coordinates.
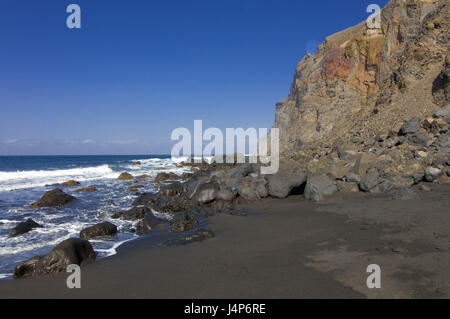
(24, 179)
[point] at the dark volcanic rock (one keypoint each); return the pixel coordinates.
(134, 213)
(318, 187)
(196, 236)
(53, 198)
(150, 223)
(71, 251)
(144, 199)
(99, 230)
(24, 227)
(183, 222)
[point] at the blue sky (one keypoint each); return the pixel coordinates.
(137, 69)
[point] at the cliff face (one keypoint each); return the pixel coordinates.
(363, 82)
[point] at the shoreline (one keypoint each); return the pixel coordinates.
(290, 248)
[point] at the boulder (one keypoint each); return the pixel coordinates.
(24, 227)
(169, 204)
(150, 223)
(86, 189)
(137, 163)
(70, 183)
(99, 230)
(283, 183)
(410, 127)
(125, 176)
(53, 198)
(207, 192)
(432, 174)
(443, 113)
(318, 187)
(183, 222)
(69, 252)
(134, 213)
(144, 199)
(370, 180)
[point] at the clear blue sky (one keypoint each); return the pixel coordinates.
(139, 68)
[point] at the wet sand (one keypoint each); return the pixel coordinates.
(288, 248)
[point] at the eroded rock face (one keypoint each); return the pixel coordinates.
(53, 198)
(69, 252)
(99, 230)
(362, 81)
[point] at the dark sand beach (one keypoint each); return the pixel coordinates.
(290, 248)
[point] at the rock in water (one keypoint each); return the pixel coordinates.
(99, 230)
(318, 187)
(86, 189)
(125, 176)
(24, 227)
(69, 252)
(134, 213)
(70, 183)
(53, 198)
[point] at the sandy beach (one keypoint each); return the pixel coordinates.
(289, 248)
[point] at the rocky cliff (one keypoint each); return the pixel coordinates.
(365, 82)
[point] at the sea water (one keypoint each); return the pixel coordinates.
(24, 179)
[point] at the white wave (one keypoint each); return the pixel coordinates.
(113, 250)
(28, 179)
(4, 276)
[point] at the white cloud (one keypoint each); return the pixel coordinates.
(124, 142)
(11, 141)
(88, 141)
